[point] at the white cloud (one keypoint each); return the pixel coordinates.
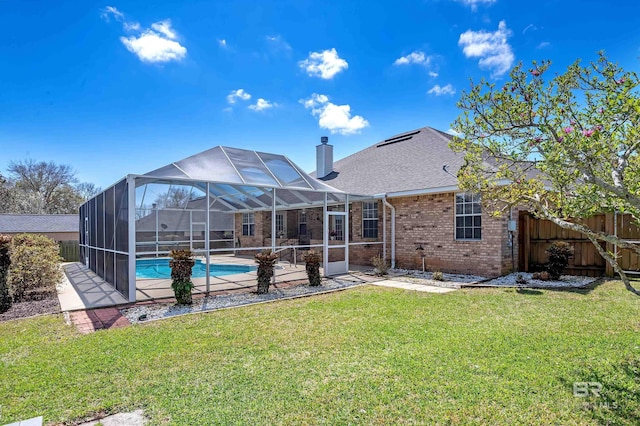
(474, 3)
(131, 26)
(233, 97)
(222, 43)
(442, 90)
(491, 47)
(155, 44)
(335, 118)
(262, 104)
(164, 27)
(152, 47)
(543, 45)
(325, 64)
(416, 57)
(433, 74)
(453, 132)
(110, 11)
(278, 42)
(529, 27)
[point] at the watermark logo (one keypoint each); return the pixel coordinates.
(590, 391)
(586, 389)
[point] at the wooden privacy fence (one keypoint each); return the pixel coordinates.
(69, 250)
(535, 235)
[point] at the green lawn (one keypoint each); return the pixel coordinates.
(363, 356)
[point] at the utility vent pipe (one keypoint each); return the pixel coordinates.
(324, 158)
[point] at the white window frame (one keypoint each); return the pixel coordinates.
(248, 224)
(368, 207)
(281, 225)
(468, 210)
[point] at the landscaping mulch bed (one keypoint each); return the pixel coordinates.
(47, 303)
(145, 312)
(526, 280)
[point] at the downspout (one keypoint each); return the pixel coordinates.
(393, 230)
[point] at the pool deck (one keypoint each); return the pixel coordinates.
(83, 289)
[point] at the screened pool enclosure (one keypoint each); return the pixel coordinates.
(225, 204)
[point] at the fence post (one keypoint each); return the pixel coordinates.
(609, 229)
(527, 241)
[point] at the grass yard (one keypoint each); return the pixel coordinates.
(363, 356)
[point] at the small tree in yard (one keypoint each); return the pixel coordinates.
(181, 264)
(559, 253)
(266, 261)
(35, 267)
(5, 262)
(312, 259)
(565, 147)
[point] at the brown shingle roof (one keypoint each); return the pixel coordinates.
(409, 161)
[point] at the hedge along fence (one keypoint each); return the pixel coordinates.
(35, 267)
(69, 250)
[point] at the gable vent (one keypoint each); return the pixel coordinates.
(397, 139)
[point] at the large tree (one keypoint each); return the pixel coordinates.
(87, 190)
(5, 195)
(563, 145)
(42, 188)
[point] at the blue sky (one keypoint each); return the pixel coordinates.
(125, 87)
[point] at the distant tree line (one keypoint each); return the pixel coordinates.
(32, 187)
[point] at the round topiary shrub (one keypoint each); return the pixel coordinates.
(181, 264)
(312, 259)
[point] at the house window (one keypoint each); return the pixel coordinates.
(248, 224)
(468, 217)
(302, 223)
(280, 226)
(370, 220)
(336, 229)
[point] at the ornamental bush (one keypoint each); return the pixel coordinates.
(266, 261)
(5, 261)
(35, 267)
(559, 253)
(181, 264)
(312, 259)
(380, 265)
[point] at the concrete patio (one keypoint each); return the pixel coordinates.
(83, 289)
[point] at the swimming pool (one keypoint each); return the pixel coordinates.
(159, 269)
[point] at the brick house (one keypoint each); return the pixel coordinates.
(411, 178)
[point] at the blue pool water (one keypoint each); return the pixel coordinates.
(159, 268)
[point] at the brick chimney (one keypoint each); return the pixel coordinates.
(324, 158)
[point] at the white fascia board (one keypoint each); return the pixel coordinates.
(425, 191)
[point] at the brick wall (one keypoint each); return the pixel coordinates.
(428, 220)
(362, 254)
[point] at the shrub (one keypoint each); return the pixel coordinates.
(438, 276)
(520, 279)
(181, 264)
(380, 265)
(559, 253)
(312, 260)
(35, 267)
(5, 261)
(266, 261)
